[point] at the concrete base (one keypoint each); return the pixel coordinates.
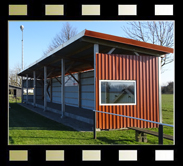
(67, 113)
(97, 129)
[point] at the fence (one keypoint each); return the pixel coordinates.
(160, 124)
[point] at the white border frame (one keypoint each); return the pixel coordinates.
(116, 81)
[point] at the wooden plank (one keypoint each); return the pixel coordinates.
(79, 90)
(58, 80)
(48, 87)
(170, 137)
(63, 87)
(74, 78)
(45, 86)
(71, 65)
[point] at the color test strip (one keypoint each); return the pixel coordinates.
(90, 9)
(127, 155)
(163, 9)
(18, 155)
(164, 155)
(54, 9)
(91, 155)
(54, 155)
(127, 9)
(17, 10)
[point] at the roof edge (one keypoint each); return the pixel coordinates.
(72, 39)
(128, 41)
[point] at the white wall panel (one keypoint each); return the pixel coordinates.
(87, 90)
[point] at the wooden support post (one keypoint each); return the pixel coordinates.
(51, 89)
(58, 80)
(96, 50)
(34, 74)
(160, 134)
(74, 78)
(79, 90)
(22, 90)
(63, 86)
(159, 82)
(138, 136)
(45, 86)
(110, 52)
(42, 89)
(27, 89)
(144, 137)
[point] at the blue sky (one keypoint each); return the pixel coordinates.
(38, 35)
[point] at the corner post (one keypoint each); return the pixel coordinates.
(96, 50)
(27, 89)
(79, 90)
(160, 109)
(22, 91)
(34, 74)
(51, 89)
(45, 86)
(63, 86)
(159, 79)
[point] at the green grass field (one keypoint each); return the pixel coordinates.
(29, 128)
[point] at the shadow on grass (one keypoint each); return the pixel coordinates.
(11, 141)
(23, 119)
(116, 141)
(48, 137)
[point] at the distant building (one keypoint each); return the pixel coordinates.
(17, 91)
(29, 90)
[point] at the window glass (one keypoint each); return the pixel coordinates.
(117, 92)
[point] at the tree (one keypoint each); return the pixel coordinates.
(65, 34)
(168, 89)
(14, 79)
(155, 32)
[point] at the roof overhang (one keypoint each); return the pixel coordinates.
(78, 53)
(14, 87)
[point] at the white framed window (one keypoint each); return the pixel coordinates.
(117, 92)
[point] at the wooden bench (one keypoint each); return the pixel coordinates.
(140, 134)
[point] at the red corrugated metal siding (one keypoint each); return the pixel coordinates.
(143, 69)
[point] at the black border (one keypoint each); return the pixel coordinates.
(73, 153)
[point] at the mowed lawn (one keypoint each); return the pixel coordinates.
(29, 128)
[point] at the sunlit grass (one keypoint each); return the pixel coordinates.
(29, 128)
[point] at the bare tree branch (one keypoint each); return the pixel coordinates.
(155, 32)
(65, 34)
(14, 79)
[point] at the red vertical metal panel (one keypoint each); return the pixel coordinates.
(127, 78)
(114, 78)
(151, 90)
(131, 77)
(96, 89)
(120, 77)
(143, 69)
(100, 73)
(137, 91)
(157, 91)
(117, 78)
(141, 97)
(154, 93)
(124, 78)
(134, 78)
(147, 83)
(103, 78)
(107, 78)
(144, 85)
(110, 78)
